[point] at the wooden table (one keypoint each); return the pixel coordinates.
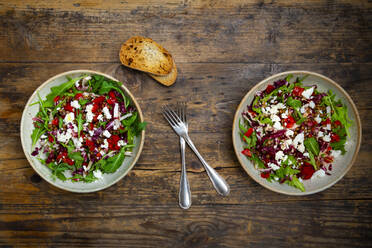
(222, 48)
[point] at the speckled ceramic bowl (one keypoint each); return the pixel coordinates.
(341, 164)
(42, 170)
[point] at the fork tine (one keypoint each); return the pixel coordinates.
(173, 114)
(168, 117)
(184, 112)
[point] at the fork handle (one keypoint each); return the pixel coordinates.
(184, 196)
(218, 182)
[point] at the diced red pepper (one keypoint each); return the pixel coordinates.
(265, 174)
(56, 99)
(98, 155)
(68, 107)
(269, 88)
(328, 159)
(337, 123)
(247, 152)
(111, 101)
(297, 91)
(50, 138)
(60, 156)
(91, 126)
(69, 161)
(329, 148)
(95, 108)
(289, 122)
(249, 132)
(335, 137)
(112, 94)
(78, 96)
(252, 113)
(306, 171)
(55, 121)
(99, 99)
(326, 122)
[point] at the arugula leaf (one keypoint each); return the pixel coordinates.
(288, 78)
(36, 135)
(339, 145)
(312, 160)
(43, 110)
(139, 126)
(107, 86)
(254, 104)
(296, 183)
(129, 121)
(80, 123)
(82, 102)
(242, 128)
(267, 121)
(312, 145)
(114, 162)
(59, 90)
(296, 104)
(257, 161)
(76, 156)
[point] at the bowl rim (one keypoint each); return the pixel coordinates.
(357, 120)
(81, 71)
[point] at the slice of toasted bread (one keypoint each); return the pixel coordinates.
(168, 79)
(146, 55)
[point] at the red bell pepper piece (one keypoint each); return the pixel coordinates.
(297, 91)
(265, 174)
(247, 152)
(269, 89)
(78, 96)
(249, 132)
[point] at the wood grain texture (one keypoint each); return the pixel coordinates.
(221, 49)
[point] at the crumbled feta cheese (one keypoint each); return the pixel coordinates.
(121, 143)
(116, 110)
(284, 115)
(318, 119)
(89, 114)
(106, 112)
(273, 166)
(287, 143)
(100, 117)
(279, 155)
(320, 134)
(274, 118)
(335, 153)
(300, 179)
(319, 173)
(328, 127)
(125, 116)
(117, 124)
(86, 79)
(105, 144)
(306, 154)
(75, 104)
(307, 93)
(77, 142)
(43, 136)
(106, 134)
(69, 118)
(327, 138)
(98, 174)
(277, 125)
(328, 109)
(58, 108)
(289, 133)
(312, 104)
(303, 108)
(64, 137)
(301, 148)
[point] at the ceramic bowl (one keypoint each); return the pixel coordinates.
(42, 170)
(341, 165)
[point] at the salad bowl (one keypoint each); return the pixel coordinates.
(340, 165)
(27, 127)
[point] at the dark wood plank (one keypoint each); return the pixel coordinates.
(319, 31)
(221, 49)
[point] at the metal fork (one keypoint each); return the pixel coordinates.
(184, 196)
(181, 129)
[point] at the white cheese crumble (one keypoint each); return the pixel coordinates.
(328, 109)
(117, 124)
(335, 153)
(328, 127)
(98, 174)
(312, 104)
(327, 138)
(91, 132)
(105, 144)
(89, 115)
(106, 134)
(121, 143)
(274, 118)
(298, 142)
(86, 79)
(75, 104)
(106, 112)
(284, 115)
(116, 110)
(77, 142)
(307, 93)
(320, 134)
(100, 117)
(289, 133)
(69, 118)
(273, 166)
(43, 136)
(306, 154)
(64, 137)
(277, 125)
(318, 173)
(318, 119)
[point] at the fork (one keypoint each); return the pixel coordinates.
(181, 129)
(184, 196)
